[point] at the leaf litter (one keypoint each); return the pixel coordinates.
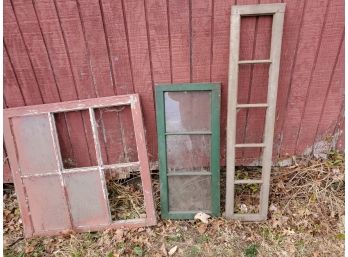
(306, 218)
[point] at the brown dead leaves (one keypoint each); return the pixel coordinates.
(306, 218)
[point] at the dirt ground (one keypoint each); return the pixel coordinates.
(306, 218)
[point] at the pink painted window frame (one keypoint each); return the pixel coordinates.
(87, 104)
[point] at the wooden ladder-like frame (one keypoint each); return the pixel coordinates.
(277, 11)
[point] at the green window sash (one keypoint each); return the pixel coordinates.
(214, 135)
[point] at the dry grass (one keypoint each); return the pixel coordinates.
(305, 219)
(126, 200)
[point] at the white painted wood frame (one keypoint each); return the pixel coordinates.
(277, 11)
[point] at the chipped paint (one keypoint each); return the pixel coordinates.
(133, 101)
(54, 223)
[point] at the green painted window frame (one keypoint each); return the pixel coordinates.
(215, 90)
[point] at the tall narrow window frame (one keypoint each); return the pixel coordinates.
(214, 89)
(277, 12)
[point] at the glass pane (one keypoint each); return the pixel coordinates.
(86, 198)
(188, 153)
(34, 144)
(187, 111)
(189, 193)
(47, 205)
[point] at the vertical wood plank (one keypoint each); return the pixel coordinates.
(318, 88)
(158, 29)
(291, 38)
(158, 32)
(143, 160)
(52, 40)
(73, 143)
(140, 56)
(310, 37)
(33, 41)
(92, 26)
(100, 58)
(232, 112)
(202, 18)
(219, 61)
(180, 41)
(276, 43)
(76, 50)
(115, 29)
(117, 40)
(18, 56)
(12, 92)
(72, 34)
(335, 95)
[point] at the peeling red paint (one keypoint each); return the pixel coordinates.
(53, 199)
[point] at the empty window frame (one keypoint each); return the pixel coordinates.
(277, 13)
(188, 127)
(53, 199)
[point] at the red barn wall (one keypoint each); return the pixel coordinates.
(75, 49)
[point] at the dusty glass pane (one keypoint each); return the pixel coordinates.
(187, 111)
(188, 153)
(189, 193)
(47, 205)
(86, 198)
(34, 143)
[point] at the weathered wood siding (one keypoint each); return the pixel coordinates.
(60, 50)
